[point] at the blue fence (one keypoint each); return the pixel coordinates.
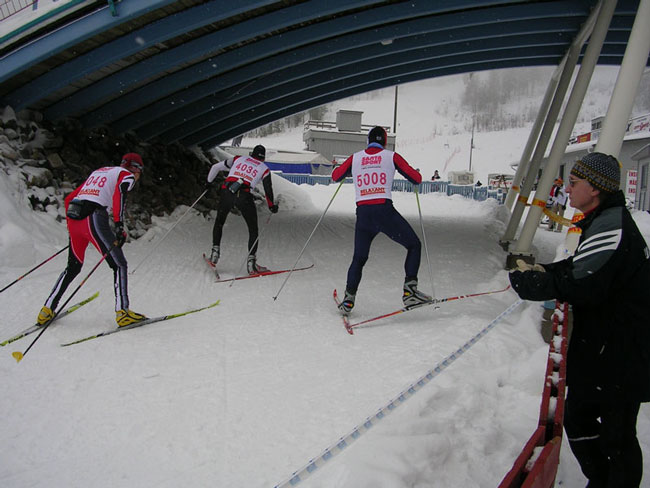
(468, 191)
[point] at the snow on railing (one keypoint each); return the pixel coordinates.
(538, 461)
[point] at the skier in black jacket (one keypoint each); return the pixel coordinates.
(607, 282)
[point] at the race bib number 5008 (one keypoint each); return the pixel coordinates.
(368, 179)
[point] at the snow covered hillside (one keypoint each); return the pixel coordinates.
(246, 393)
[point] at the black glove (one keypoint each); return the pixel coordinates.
(273, 208)
(208, 185)
(120, 234)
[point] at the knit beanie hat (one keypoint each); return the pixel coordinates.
(259, 152)
(378, 135)
(602, 171)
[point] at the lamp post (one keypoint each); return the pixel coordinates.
(395, 113)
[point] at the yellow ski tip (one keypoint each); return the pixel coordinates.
(17, 356)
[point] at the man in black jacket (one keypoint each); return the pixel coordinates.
(607, 282)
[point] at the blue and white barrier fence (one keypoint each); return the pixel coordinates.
(479, 193)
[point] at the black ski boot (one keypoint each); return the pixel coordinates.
(412, 296)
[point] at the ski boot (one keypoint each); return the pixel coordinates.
(128, 317)
(412, 296)
(44, 316)
(253, 267)
(214, 255)
(347, 304)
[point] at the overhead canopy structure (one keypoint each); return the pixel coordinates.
(202, 72)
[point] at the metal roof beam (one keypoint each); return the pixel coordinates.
(311, 72)
(73, 33)
(127, 45)
(311, 41)
(407, 69)
(196, 49)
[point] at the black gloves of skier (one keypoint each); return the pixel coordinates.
(120, 234)
(273, 208)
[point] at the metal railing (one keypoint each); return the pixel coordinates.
(480, 193)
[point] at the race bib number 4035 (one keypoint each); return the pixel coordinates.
(245, 170)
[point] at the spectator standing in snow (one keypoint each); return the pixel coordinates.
(373, 170)
(608, 364)
(88, 222)
(435, 176)
(244, 173)
(559, 205)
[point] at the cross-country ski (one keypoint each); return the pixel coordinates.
(140, 324)
(212, 266)
(263, 273)
(436, 301)
(36, 327)
(344, 316)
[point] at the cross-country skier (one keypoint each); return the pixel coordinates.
(373, 170)
(244, 173)
(87, 218)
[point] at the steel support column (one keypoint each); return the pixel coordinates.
(620, 106)
(564, 131)
(569, 63)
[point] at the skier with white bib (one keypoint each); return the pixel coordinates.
(244, 173)
(87, 218)
(373, 170)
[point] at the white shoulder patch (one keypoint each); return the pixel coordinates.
(603, 241)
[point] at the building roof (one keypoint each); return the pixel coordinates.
(202, 72)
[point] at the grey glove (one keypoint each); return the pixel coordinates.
(524, 266)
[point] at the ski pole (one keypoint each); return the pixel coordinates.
(18, 356)
(424, 240)
(35, 268)
(167, 233)
(241, 267)
(308, 239)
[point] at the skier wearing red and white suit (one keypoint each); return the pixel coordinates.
(87, 218)
(373, 170)
(244, 173)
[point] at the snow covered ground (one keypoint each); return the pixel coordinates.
(248, 392)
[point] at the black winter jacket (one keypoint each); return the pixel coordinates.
(607, 282)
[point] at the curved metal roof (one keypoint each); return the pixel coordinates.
(203, 72)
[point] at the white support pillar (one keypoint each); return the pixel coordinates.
(620, 106)
(540, 149)
(564, 131)
(531, 166)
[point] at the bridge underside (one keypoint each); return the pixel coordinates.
(203, 72)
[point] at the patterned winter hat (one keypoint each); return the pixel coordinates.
(601, 170)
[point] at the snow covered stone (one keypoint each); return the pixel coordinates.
(8, 118)
(8, 152)
(41, 177)
(55, 160)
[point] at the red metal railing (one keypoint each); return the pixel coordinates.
(536, 466)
